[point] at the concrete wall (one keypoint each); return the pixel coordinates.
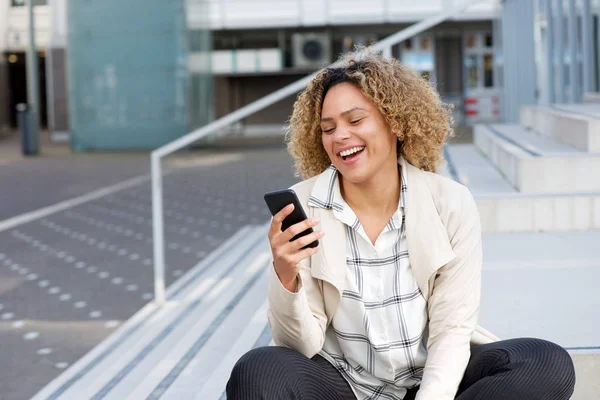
(56, 69)
(58, 106)
(241, 14)
(127, 78)
(17, 27)
(234, 92)
(448, 68)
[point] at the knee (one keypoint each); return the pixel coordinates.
(253, 362)
(550, 362)
(255, 371)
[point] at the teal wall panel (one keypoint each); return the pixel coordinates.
(127, 73)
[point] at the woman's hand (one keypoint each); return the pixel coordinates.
(287, 255)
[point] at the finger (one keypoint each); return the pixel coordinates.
(300, 227)
(302, 254)
(308, 239)
(278, 219)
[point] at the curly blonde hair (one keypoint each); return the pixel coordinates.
(410, 105)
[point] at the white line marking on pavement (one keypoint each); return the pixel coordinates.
(64, 205)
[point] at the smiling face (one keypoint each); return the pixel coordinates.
(355, 135)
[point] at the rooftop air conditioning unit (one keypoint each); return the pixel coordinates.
(311, 50)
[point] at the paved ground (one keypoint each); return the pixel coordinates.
(31, 183)
(69, 279)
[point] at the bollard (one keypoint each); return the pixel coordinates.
(29, 145)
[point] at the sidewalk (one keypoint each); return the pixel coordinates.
(57, 174)
(70, 279)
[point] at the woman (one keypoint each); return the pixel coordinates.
(386, 306)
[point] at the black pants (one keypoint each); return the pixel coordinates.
(516, 369)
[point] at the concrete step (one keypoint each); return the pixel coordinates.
(587, 371)
(577, 125)
(467, 165)
(217, 312)
(503, 209)
(538, 164)
(543, 285)
(538, 213)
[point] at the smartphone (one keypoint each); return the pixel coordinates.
(277, 200)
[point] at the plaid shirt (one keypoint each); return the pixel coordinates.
(377, 338)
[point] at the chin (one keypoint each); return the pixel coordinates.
(354, 177)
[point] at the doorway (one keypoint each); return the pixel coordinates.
(17, 85)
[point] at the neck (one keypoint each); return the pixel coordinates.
(380, 194)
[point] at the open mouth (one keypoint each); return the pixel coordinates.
(350, 154)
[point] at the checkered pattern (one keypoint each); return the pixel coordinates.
(377, 339)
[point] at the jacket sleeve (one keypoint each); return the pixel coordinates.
(298, 320)
(454, 306)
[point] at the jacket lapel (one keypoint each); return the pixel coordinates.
(428, 244)
(329, 263)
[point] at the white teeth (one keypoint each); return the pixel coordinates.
(351, 151)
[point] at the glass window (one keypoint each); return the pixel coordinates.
(488, 70)
(471, 41)
(488, 40)
(425, 43)
(472, 71)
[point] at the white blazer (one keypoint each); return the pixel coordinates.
(443, 232)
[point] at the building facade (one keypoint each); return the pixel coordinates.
(106, 86)
(567, 38)
(14, 42)
(260, 46)
(493, 57)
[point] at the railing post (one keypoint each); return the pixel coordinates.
(158, 230)
(589, 62)
(387, 52)
(384, 45)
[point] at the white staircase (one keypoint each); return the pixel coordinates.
(186, 349)
(523, 181)
(540, 175)
(217, 312)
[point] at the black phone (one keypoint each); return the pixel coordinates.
(277, 200)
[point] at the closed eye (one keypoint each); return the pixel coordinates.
(328, 131)
(356, 121)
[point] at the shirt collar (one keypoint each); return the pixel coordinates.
(326, 191)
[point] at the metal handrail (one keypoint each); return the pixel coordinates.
(384, 45)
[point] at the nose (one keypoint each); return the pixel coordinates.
(341, 133)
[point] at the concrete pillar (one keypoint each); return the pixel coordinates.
(574, 76)
(4, 100)
(58, 105)
(589, 61)
(549, 50)
(56, 82)
(519, 57)
(559, 40)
